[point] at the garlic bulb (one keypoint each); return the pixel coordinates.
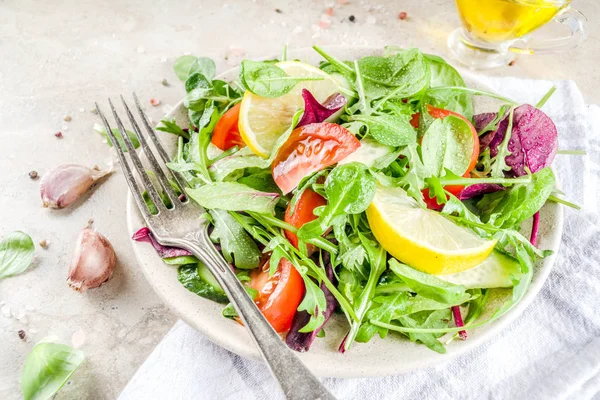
(93, 262)
(64, 184)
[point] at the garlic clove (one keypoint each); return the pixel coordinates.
(93, 262)
(64, 184)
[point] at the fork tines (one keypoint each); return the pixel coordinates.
(156, 168)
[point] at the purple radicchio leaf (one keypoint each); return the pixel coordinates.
(533, 142)
(480, 188)
(301, 341)
(145, 235)
(317, 112)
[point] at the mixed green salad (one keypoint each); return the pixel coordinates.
(367, 188)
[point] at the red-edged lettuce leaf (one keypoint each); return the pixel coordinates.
(145, 235)
(478, 189)
(301, 341)
(533, 141)
(317, 112)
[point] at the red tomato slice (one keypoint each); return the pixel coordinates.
(311, 148)
(226, 133)
(414, 120)
(303, 212)
(279, 295)
(441, 113)
(432, 203)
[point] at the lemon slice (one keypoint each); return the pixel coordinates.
(421, 238)
(262, 120)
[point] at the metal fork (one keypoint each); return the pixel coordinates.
(182, 226)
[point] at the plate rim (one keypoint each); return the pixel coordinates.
(242, 348)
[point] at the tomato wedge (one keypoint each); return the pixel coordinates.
(311, 148)
(226, 133)
(303, 212)
(279, 295)
(441, 113)
(432, 203)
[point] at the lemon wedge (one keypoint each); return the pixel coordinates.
(421, 238)
(262, 120)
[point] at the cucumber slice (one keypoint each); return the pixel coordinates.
(198, 279)
(368, 152)
(494, 272)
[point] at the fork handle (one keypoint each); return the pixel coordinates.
(296, 381)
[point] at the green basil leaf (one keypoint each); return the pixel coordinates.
(16, 254)
(47, 368)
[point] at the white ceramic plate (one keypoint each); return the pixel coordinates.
(395, 354)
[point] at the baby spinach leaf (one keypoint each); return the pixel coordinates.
(16, 254)
(233, 196)
(204, 66)
(428, 285)
(390, 130)
(406, 71)
(349, 189)
(204, 285)
(508, 208)
(182, 66)
(236, 245)
(443, 74)
(132, 136)
(447, 144)
(47, 368)
(266, 79)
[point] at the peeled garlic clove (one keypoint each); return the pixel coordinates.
(93, 262)
(64, 184)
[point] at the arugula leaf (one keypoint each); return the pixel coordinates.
(236, 245)
(170, 126)
(262, 180)
(377, 260)
(47, 368)
(242, 159)
(427, 319)
(349, 189)
(203, 285)
(16, 254)
(508, 208)
(182, 66)
(428, 285)
(132, 136)
(390, 130)
(314, 303)
(498, 163)
(233, 196)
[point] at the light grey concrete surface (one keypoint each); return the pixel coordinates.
(57, 58)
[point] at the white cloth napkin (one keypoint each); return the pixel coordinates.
(551, 351)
